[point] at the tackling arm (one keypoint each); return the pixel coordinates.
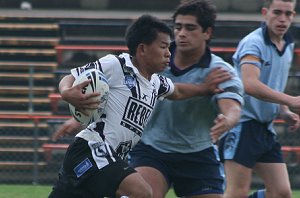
(230, 111)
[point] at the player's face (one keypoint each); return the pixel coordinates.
(157, 54)
(189, 35)
(279, 17)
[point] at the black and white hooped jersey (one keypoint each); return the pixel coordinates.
(130, 102)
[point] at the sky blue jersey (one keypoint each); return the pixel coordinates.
(184, 125)
(274, 70)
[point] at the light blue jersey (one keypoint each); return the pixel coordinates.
(274, 70)
(184, 125)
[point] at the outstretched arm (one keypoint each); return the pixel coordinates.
(70, 127)
(254, 87)
(230, 111)
(208, 87)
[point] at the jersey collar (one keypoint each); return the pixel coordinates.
(129, 63)
(287, 38)
(204, 62)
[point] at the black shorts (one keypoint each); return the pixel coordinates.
(90, 169)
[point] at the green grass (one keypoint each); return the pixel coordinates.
(24, 191)
(37, 191)
(34, 191)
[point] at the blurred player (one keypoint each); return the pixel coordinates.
(263, 59)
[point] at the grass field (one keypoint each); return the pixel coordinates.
(31, 191)
(34, 191)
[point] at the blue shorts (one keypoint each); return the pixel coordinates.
(190, 174)
(250, 142)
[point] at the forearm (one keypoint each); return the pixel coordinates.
(231, 109)
(228, 117)
(265, 93)
(255, 88)
(183, 91)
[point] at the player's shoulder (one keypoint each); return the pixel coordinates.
(112, 65)
(111, 59)
(217, 61)
(157, 79)
(161, 81)
(255, 37)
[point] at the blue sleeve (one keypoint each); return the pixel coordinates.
(233, 88)
(250, 45)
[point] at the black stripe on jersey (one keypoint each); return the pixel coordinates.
(98, 64)
(153, 98)
(99, 128)
(127, 73)
(137, 88)
(234, 90)
(133, 90)
(164, 86)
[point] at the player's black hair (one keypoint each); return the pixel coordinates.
(144, 30)
(204, 11)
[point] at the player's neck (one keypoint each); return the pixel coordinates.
(142, 70)
(185, 59)
(278, 41)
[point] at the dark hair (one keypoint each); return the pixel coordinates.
(144, 30)
(203, 10)
(267, 3)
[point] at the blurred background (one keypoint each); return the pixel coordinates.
(40, 40)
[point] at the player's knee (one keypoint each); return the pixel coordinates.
(236, 193)
(280, 193)
(145, 192)
(141, 191)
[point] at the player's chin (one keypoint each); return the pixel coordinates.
(162, 68)
(281, 32)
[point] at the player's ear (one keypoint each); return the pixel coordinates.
(208, 32)
(141, 48)
(264, 11)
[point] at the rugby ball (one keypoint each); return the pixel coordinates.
(98, 84)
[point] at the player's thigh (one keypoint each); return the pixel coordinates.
(238, 177)
(156, 180)
(134, 186)
(274, 175)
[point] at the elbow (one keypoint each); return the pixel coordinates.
(249, 89)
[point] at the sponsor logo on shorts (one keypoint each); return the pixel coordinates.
(230, 141)
(81, 168)
(99, 149)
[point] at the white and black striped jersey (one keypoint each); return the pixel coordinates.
(130, 102)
